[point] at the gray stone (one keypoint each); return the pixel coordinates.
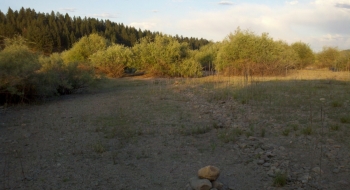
(270, 173)
(304, 178)
(200, 184)
(343, 182)
(209, 172)
(317, 170)
(336, 170)
(269, 154)
(188, 187)
(259, 151)
(261, 162)
(266, 164)
(217, 185)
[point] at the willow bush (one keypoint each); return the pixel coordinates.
(165, 56)
(26, 75)
(17, 72)
(244, 53)
(113, 60)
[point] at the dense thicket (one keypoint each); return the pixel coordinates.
(334, 59)
(26, 75)
(55, 32)
(244, 53)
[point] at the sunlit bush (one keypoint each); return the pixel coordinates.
(113, 61)
(18, 66)
(244, 53)
(84, 48)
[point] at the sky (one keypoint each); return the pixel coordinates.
(318, 23)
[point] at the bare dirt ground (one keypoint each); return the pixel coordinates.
(137, 133)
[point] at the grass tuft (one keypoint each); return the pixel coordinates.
(307, 130)
(280, 180)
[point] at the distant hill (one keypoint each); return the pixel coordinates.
(56, 32)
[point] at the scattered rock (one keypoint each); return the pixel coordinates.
(343, 182)
(261, 162)
(217, 185)
(336, 170)
(200, 184)
(266, 164)
(188, 187)
(317, 170)
(209, 172)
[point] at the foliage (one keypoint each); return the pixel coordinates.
(17, 70)
(244, 53)
(327, 57)
(25, 75)
(55, 32)
(56, 77)
(206, 55)
(305, 54)
(113, 60)
(164, 56)
(84, 48)
(342, 63)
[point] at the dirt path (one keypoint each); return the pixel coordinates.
(154, 134)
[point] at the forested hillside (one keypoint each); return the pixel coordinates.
(56, 32)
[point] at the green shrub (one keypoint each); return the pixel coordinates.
(18, 66)
(57, 77)
(113, 60)
(84, 48)
(305, 54)
(165, 56)
(244, 53)
(25, 76)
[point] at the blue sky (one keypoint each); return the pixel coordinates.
(316, 22)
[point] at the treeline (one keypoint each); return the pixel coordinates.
(26, 74)
(56, 32)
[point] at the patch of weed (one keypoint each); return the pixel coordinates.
(307, 130)
(196, 130)
(285, 132)
(262, 132)
(99, 147)
(229, 135)
(345, 119)
(280, 180)
(336, 104)
(294, 126)
(334, 127)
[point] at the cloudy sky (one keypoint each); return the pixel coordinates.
(316, 22)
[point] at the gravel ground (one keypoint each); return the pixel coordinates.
(156, 134)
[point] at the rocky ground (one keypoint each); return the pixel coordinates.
(156, 134)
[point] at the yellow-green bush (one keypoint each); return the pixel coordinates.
(84, 48)
(18, 66)
(26, 75)
(244, 53)
(113, 60)
(164, 56)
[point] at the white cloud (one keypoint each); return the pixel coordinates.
(68, 9)
(225, 3)
(310, 22)
(105, 15)
(144, 25)
(293, 2)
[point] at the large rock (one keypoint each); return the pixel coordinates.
(200, 184)
(209, 172)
